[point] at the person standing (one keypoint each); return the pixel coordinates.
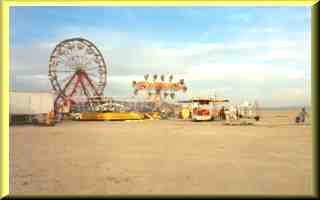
(302, 115)
(222, 114)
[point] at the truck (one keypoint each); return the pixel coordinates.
(31, 108)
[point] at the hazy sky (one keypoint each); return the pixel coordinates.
(241, 53)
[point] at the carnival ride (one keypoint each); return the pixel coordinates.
(78, 76)
(77, 71)
(158, 90)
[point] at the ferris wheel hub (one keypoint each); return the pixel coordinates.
(79, 71)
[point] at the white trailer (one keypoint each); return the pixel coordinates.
(249, 110)
(36, 107)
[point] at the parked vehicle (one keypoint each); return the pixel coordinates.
(249, 110)
(204, 109)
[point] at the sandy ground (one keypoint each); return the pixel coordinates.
(272, 157)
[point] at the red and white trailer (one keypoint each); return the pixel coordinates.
(203, 109)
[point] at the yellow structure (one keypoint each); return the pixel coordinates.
(50, 119)
(152, 115)
(185, 113)
(110, 116)
(116, 116)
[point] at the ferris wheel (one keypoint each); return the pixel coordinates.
(77, 70)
